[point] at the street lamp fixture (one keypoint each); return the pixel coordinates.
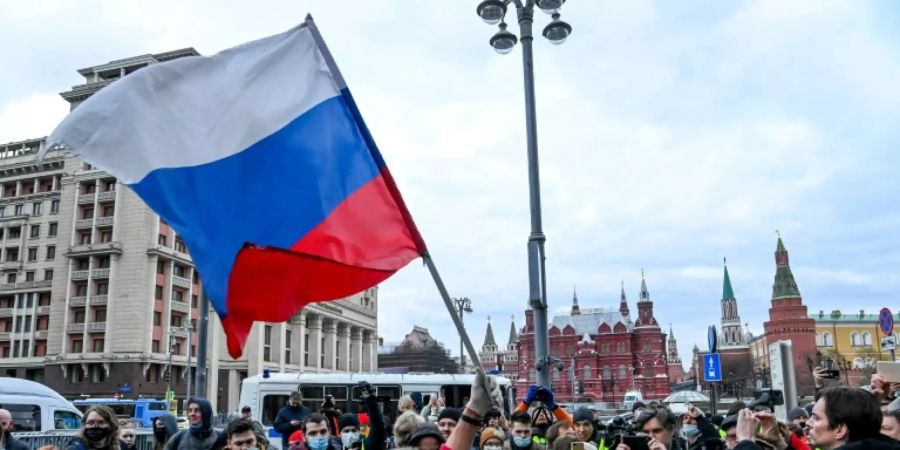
(463, 305)
(494, 12)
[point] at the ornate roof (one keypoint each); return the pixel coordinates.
(589, 320)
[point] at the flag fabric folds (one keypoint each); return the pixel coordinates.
(258, 157)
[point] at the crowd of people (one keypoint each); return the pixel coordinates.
(841, 418)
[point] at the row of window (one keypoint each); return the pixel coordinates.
(25, 300)
(29, 276)
(179, 246)
(34, 232)
(35, 210)
(587, 372)
(23, 324)
(28, 186)
(22, 349)
(863, 339)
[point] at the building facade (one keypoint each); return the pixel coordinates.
(851, 341)
(789, 321)
(97, 293)
(604, 350)
(504, 361)
(418, 352)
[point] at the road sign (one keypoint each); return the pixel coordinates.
(125, 388)
(712, 338)
(712, 367)
(170, 395)
(889, 342)
(886, 321)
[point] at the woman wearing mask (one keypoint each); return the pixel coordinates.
(99, 432)
(164, 427)
(492, 439)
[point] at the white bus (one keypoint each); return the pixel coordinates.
(267, 395)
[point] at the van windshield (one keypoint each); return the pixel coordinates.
(66, 420)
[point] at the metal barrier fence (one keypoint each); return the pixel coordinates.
(59, 438)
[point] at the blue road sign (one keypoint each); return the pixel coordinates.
(712, 369)
(125, 388)
(886, 321)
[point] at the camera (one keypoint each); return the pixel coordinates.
(366, 391)
(541, 394)
(766, 398)
(619, 426)
(328, 404)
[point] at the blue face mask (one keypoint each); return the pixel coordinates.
(197, 426)
(318, 443)
(690, 431)
(522, 441)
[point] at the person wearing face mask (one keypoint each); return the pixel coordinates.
(350, 428)
(100, 431)
(200, 434)
(696, 429)
(317, 435)
(164, 427)
(492, 439)
(520, 430)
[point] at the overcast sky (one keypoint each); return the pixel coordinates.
(671, 134)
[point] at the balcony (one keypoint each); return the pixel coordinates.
(78, 301)
(6, 312)
(100, 273)
(43, 284)
(5, 336)
(75, 328)
(95, 327)
(86, 198)
(79, 275)
(108, 195)
(42, 334)
(95, 249)
(178, 332)
(181, 282)
(11, 266)
(99, 300)
(81, 224)
(105, 221)
(43, 310)
(180, 306)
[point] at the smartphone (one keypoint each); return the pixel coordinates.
(577, 446)
(831, 374)
(637, 442)
(889, 370)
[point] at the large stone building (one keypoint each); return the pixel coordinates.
(788, 321)
(851, 341)
(97, 292)
(606, 350)
(418, 352)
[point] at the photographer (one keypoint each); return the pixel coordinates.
(541, 420)
(349, 426)
(660, 426)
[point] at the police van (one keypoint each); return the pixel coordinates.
(266, 394)
(35, 407)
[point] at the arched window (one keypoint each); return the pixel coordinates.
(867, 339)
(827, 340)
(622, 371)
(607, 373)
(587, 371)
(858, 363)
(854, 339)
(649, 371)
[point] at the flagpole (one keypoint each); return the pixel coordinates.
(342, 85)
(473, 355)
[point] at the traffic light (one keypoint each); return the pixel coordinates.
(167, 377)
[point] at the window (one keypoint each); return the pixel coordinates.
(178, 271)
(157, 318)
(106, 236)
(51, 252)
(102, 262)
(305, 349)
(161, 239)
(622, 371)
(160, 267)
(51, 231)
(620, 347)
(65, 420)
(154, 346)
(177, 295)
(18, 327)
(87, 213)
(20, 209)
(11, 278)
(35, 232)
(646, 347)
(176, 320)
(867, 339)
(89, 188)
(855, 341)
(100, 315)
(649, 371)
(102, 288)
(16, 346)
(79, 316)
(153, 374)
(287, 346)
(607, 374)
(587, 372)
(109, 186)
(32, 254)
(158, 293)
(604, 348)
(82, 264)
(15, 232)
(36, 209)
(267, 342)
(48, 274)
(194, 301)
(84, 238)
(108, 211)
(179, 246)
(30, 300)
(2, 211)
(26, 417)
(29, 276)
(81, 289)
(54, 207)
(26, 348)
(76, 345)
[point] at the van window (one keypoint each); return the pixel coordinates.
(272, 403)
(65, 420)
(157, 406)
(26, 417)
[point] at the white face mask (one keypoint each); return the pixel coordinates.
(493, 447)
(350, 438)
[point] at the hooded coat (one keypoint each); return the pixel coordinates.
(171, 428)
(283, 420)
(203, 437)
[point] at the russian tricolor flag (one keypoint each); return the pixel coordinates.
(260, 160)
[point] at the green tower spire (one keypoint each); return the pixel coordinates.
(727, 291)
(784, 285)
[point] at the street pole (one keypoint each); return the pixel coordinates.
(190, 335)
(201, 345)
(169, 371)
(537, 279)
(462, 353)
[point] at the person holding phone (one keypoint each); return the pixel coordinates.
(586, 429)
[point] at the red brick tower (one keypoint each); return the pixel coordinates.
(789, 321)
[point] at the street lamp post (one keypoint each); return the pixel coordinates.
(463, 305)
(494, 13)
